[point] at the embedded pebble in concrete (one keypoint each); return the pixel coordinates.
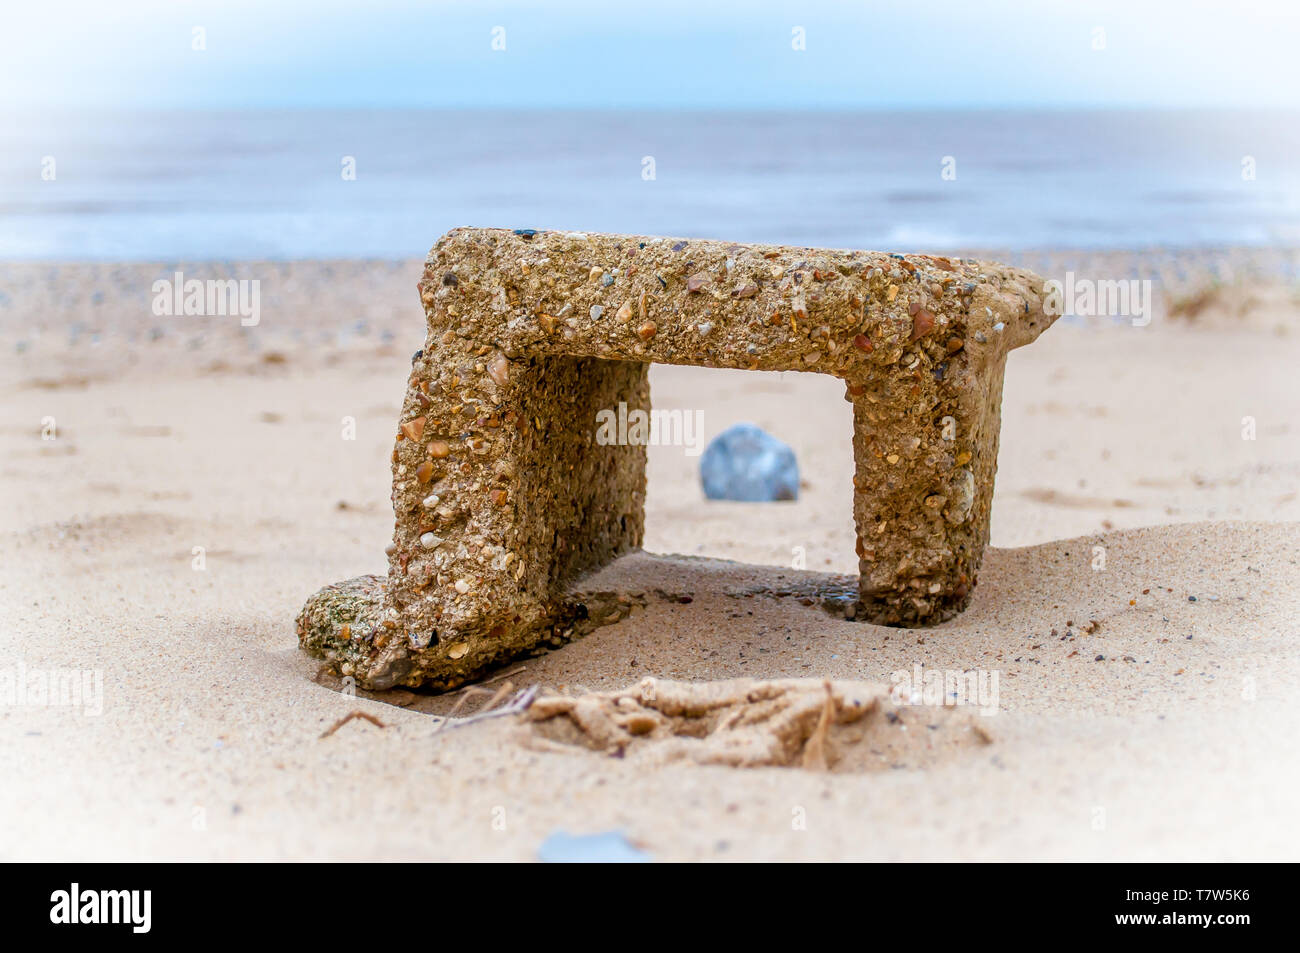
(747, 464)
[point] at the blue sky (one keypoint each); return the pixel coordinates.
(651, 54)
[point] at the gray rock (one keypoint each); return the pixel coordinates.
(745, 463)
(608, 847)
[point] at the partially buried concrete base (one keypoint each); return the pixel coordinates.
(504, 497)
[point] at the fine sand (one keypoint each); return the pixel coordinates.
(1140, 605)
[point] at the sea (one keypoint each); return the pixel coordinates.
(167, 186)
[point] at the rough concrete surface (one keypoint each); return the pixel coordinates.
(504, 497)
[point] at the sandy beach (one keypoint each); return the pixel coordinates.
(176, 487)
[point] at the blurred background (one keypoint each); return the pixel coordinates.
(161, 130)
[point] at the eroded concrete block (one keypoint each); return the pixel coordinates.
(503, 496)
